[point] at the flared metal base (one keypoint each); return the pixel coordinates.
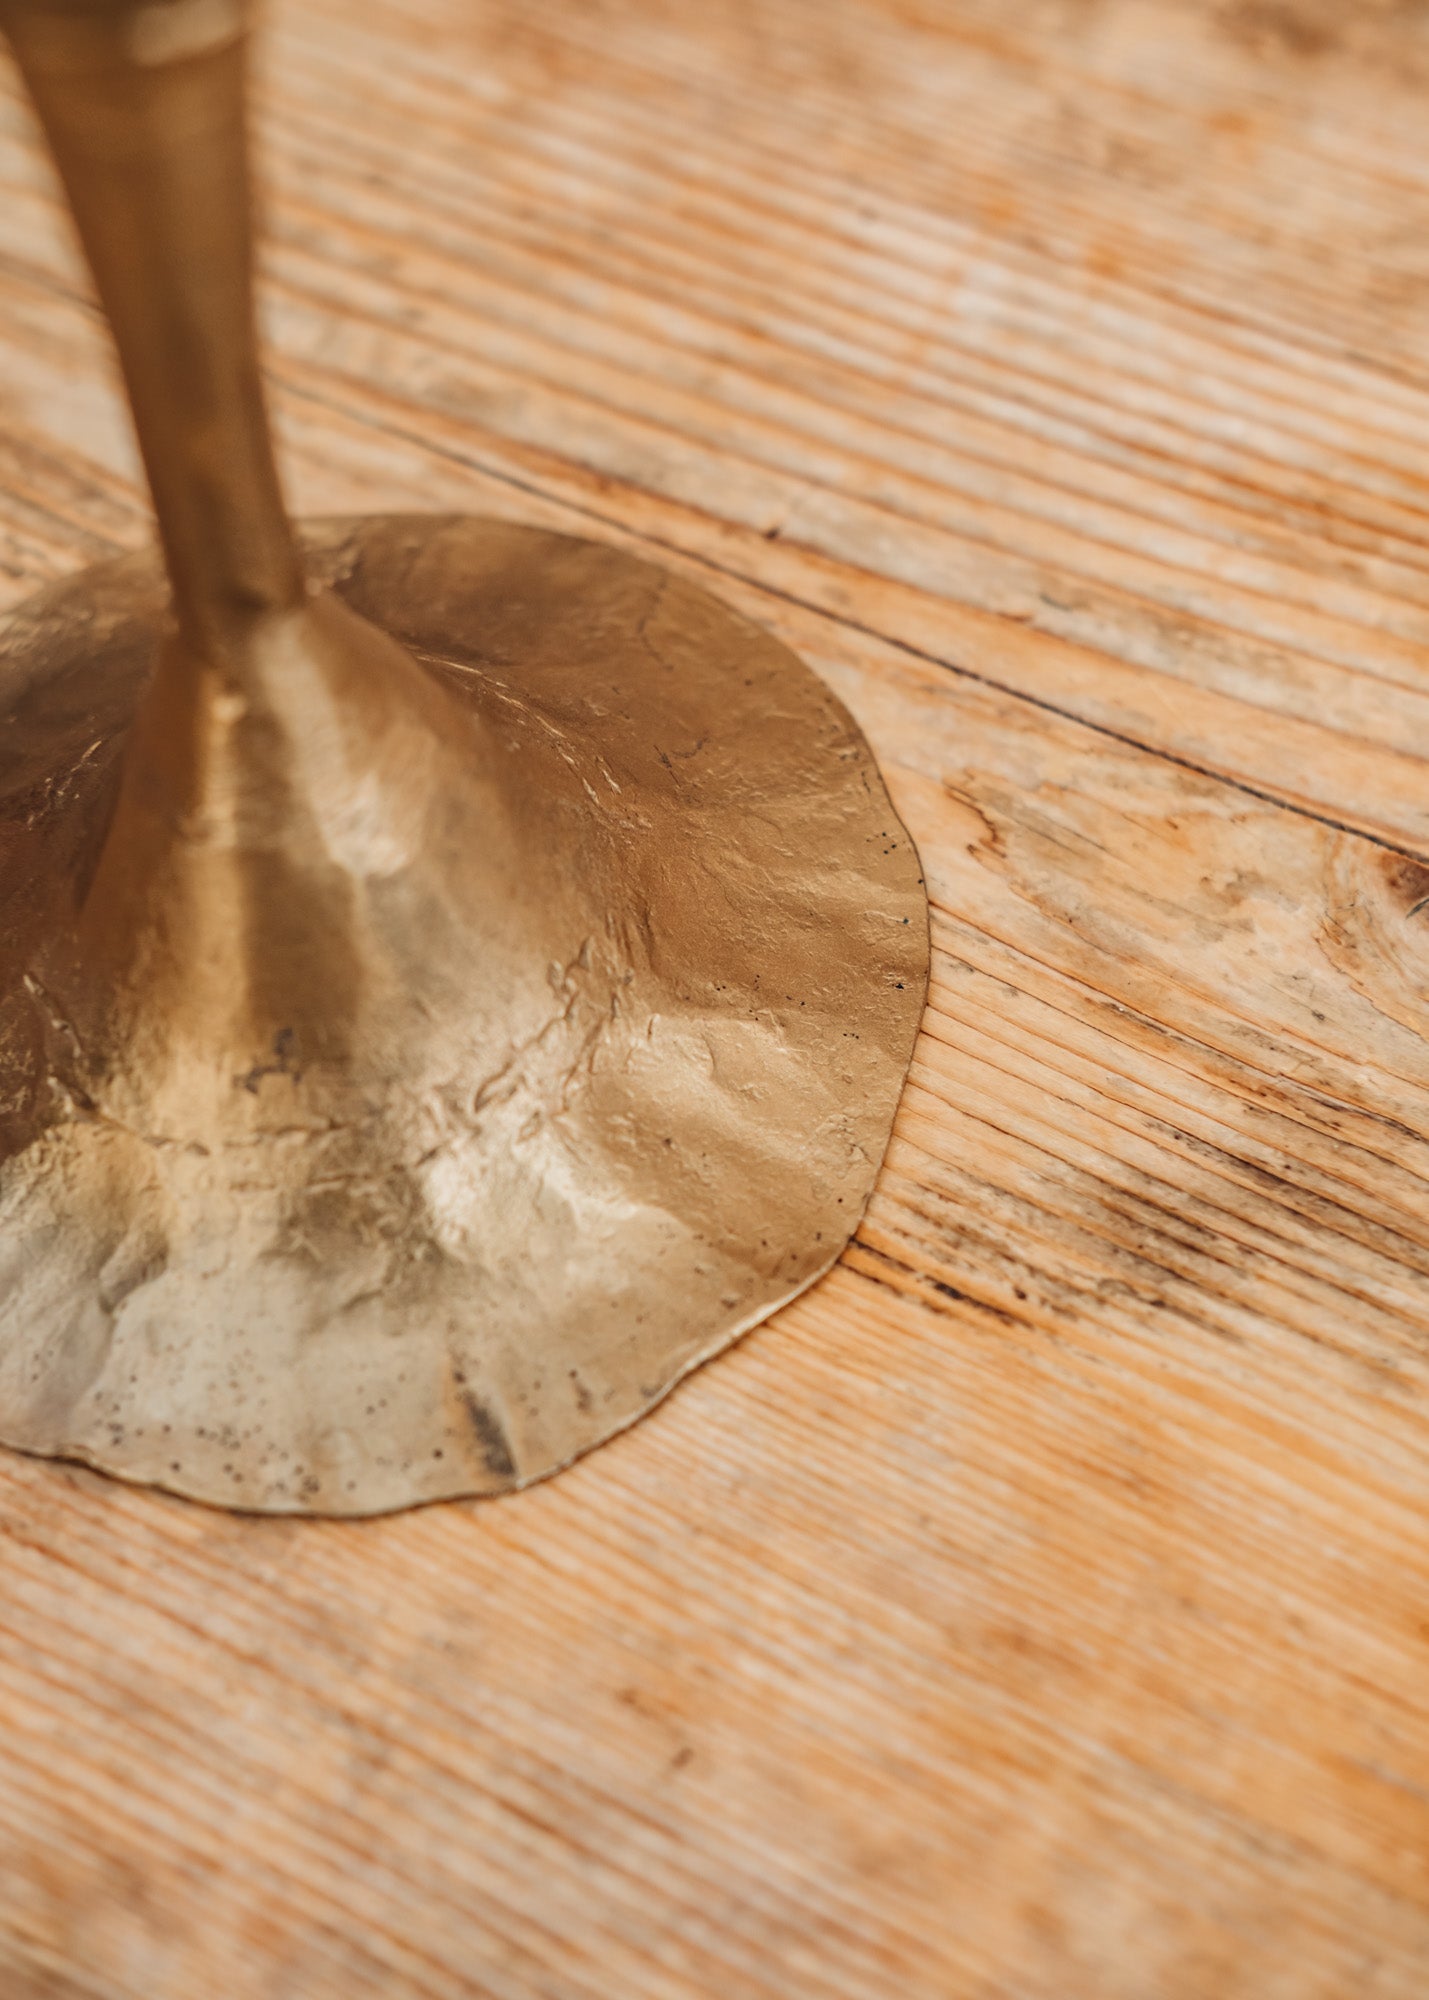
(485, 1119)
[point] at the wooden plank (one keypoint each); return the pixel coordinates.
(1062, 1557)
(1011, 442)
(1037, 1607)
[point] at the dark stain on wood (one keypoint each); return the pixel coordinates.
(1407, 882)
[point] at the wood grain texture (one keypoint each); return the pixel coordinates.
(1040, 1608)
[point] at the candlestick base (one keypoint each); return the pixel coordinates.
(406, 1123)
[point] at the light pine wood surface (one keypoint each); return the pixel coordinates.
(1039, 1609)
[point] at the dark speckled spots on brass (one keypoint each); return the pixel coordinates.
(495, 1446)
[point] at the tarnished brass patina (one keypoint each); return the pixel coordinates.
(455, 978)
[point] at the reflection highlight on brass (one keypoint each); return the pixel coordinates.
(455, 979)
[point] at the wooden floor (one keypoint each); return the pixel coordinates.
(1039, 1609)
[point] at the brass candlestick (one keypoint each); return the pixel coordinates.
(455, 978)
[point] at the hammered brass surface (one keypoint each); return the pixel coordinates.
(411, 1104)
(455, 978)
